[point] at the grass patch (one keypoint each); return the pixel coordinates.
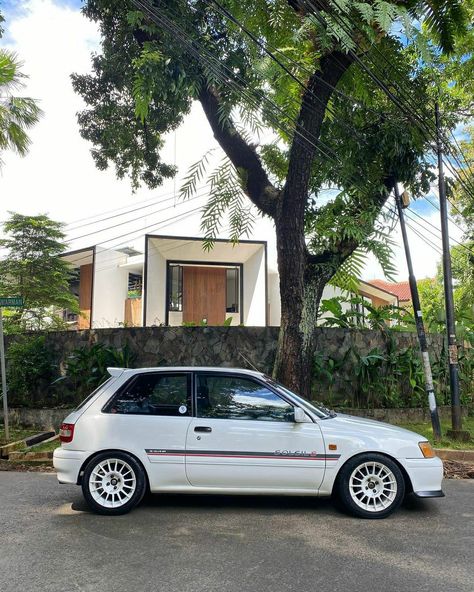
(44, 446)
(16, 434)
(426, 430)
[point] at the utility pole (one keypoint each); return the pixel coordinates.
(456, 432)
(4, 380)
(420, 327)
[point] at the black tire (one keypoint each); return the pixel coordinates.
(132, 476)
(370, 490)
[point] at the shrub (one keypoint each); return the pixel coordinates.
(86, 369)
(30, 373)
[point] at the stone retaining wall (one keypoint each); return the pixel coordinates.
(245, 347)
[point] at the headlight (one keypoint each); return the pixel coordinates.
(427, 449)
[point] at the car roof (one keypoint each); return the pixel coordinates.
(131, 371)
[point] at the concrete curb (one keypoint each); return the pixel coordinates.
(28, 456)
(459, 455)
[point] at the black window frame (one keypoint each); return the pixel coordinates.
(237, 289)
(254, 379)
(190, 394)
(179, 305)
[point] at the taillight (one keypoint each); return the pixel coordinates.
(66, 432)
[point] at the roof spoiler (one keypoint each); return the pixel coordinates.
(115, 371)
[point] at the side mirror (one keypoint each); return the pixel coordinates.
(300, 416)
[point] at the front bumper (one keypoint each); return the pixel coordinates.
(426, 476)
(439, 493)
(68, 463)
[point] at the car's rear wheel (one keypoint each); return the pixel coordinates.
(371, 486)
(113, 483)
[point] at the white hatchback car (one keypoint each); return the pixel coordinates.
(222, 430)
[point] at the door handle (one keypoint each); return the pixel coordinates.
(202, 429)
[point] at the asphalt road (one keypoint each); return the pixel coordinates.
(50, 542)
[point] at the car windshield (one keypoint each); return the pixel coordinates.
(320, 410)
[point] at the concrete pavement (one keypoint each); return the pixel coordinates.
(50, 542)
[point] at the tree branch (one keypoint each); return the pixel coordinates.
(242, 155)
(308, 130)
(338, 253)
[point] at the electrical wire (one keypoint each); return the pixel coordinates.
(234, 80)
(412, 111)
(139, 233)
(154, 201)
(107, 228)
(192, 44)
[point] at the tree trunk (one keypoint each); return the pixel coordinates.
(301, 289)
(291, 268)
(315, 282)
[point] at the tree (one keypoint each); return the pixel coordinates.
(17, 114)
(154, 64)
(432, 293)
(34, 270)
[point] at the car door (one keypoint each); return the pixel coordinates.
(150, 416)
(244, 435)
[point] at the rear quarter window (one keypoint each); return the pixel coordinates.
(93, 394)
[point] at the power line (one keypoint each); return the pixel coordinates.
(107, 228)
(413, 108)
(426, 240)
(138, 233)
(154, 201)
(410, 211)
(171, 27)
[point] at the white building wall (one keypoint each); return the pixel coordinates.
(109, 290)
(156, 287)
(274, 302)
(254, 290)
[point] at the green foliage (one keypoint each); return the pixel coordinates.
(389, 377)
(86, 369)
(30, 372)
(150, 70)
(34, 270)
(17, 114)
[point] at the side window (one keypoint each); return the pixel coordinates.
(154, 394)
(229, 397)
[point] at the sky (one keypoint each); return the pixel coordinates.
(58, 176)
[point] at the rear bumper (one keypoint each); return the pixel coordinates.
(68, 463)
(439, 493)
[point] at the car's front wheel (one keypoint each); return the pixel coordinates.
(371, 486)
(113, 483)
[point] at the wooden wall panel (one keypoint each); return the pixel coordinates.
(133, 312)
(204, 295)
(85, 297)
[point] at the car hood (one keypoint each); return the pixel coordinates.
(369, 427)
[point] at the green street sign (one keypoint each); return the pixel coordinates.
(15, 302)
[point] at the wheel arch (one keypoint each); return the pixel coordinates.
(406, 477)
(112, 450)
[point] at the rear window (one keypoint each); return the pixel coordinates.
(154, 394)
(93, 394)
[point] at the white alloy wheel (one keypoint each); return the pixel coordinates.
(373, 486)
(112, 483)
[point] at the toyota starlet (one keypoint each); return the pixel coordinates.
(225, 430)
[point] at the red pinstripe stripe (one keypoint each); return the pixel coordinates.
(274, 456)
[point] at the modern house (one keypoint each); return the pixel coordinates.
(174, 281)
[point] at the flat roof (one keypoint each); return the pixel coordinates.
(182, 248)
